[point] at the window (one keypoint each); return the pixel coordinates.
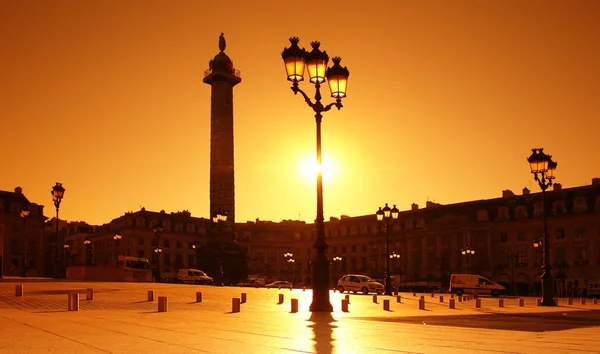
(166, 243)
(521, 236)
(364, 248)
(353, 248)
(580, 232)
(503, 238)
(191, 260)
(178, 244)
(503, 213)
(582, 258)
(154, 242)
(561, 254)
(140, 241)
(558, 208)
(431, 240)
(167, 259)
(140, 254)
(559, 234)
(363, 263)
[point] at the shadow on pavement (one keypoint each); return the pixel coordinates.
(526, 322)
(322, 326)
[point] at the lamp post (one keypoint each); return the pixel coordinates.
(196, 247)
(117, 237)
(66, 247)
(88, 248)
(290, 267)
(287, 256)
(512, 259)
(336, 260)
(543, 170)
(468, 252)
(24, 214)
(295, 60)
(158, 250)
(58, 192)
(387, 217)
(218, 220)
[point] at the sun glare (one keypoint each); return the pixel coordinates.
(309, 168)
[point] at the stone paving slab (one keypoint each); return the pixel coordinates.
(120, 320)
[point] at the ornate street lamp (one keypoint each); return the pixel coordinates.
(117, 237)
(296, 60)
(25, 214)
(88, 248)
(543, 169)
(468, 252)
(336, 260)
(158, 230)
(387, 217)
(58, 192)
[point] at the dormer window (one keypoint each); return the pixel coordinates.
(483, 215)
(558, 208)
(503, 213)
(580, 205)
(521, 212)
(538, 210)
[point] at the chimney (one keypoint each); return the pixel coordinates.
(507, 193)
(18, 190)
(414, 206)
(526, 191)
(596, 181)
(557, 187)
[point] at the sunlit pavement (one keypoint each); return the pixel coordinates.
(120, 320)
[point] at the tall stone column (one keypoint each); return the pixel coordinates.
(222, 77)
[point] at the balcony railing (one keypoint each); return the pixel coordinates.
(235, 72)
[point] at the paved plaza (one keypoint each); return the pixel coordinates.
(120, 319)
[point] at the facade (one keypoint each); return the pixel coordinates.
(21, 237)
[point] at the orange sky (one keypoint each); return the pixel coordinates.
(444, 102)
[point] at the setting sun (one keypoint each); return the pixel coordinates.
(309, 168)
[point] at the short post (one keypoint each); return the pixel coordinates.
(162, 304)
(243, 300)
(304, 288)
(235, 304)
(73, 299)
(345, 303)
(539, 302)
(452, 296)
(452, 303)
(583, 300)
(441, 298)
(150, 295)
(421, 304)
(570, 301)
(501, 302)
(399, 298)
(290, 287)
(422, 297)
(294, 305)
(386, 305)
(281, 299)
(414, 294)
(19, 290)
(375, 298)
(432, 294)
(199, 296)
(521, 302)
(595, 301)
(478, 303)
(460, 298)
(396, 291)
(348, 298)
(89, 294)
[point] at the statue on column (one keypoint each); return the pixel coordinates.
(222, 43)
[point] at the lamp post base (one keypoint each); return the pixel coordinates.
(547, 288)
(320, 282)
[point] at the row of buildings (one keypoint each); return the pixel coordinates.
(428, 240)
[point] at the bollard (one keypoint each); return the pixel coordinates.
(396, 291)
(345, 303)
(199, 296)
(235, 304)
(452, 296)
(422, 297)
(441, 298)
(521, 302)
(539, 302)
(421, 304)
(243, 300)
(452, 303)
(500, 302)
(399, 298)
(583, 300)
(414, 294)
(19, 290)
(595, 301)
(150, 295)
(375, 298)
(386, 305)
(460, 298)
(570, 301)
(281, 299)
(290, 287)
(163, 304)
(432, 294)
(278, 288)
(348, 298)
(304, 288)
(73, 304)
(89, 294)
(294, 304)
(478, 303)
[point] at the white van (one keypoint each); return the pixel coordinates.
(471, 283)
(193, 276)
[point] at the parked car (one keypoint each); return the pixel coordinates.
(251, 283)
(279, 284)
(471, 283)
(359, 283)
(193, 276)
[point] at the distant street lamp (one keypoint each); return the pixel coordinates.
(196, 247)
(88, 248)
(336, 260)
(58, 192)
(468, 252)
(295, 60)
(24, 214)
(543, 169)
(117, 237)
(66, 247)
(158, 250)
(387, 217)
(287, 256)
(290, 267)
